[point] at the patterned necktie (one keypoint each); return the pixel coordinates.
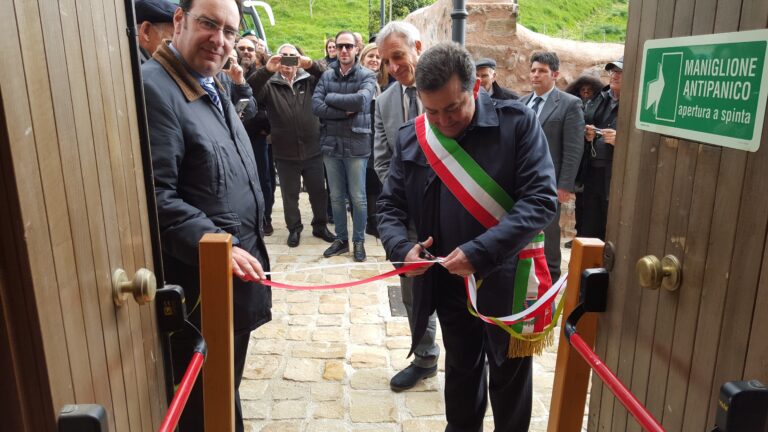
(536, 103)
(413, 103)
(210, 88)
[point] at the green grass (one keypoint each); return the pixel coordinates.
(590, 20)
(293, 24)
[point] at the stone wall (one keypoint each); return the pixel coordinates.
(492, 31)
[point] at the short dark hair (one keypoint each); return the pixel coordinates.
(441, 62)
(548, 58)
(335, 38)
(186, 5)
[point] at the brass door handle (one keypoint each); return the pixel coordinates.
(142, 287)
(654, 273)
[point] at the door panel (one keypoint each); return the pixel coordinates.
(705, 205)
(74, 176)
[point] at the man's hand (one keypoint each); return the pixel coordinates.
(609, 136)
(273, 64)
(235, 73)
(589, 132)
(563, 196)
(245, 266)
(413, 256)
(457, 263)
(305, 62)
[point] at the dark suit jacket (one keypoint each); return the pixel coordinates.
(508, 143)
(205, 182)
(562, 119)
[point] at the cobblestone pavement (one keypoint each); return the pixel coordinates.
(324, 361)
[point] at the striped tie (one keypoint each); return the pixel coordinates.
(211, 90)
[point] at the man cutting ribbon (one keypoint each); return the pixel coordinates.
(478, 182)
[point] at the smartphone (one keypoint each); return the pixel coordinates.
(289, 60)
(240, 105)
(228, 64)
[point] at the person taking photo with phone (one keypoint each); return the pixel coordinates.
(285, 86)
(600, 114)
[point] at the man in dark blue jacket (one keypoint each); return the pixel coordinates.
(205, 177)
(342, 102)
(508, 144)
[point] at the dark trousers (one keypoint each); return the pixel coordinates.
(192, 419)
(291, 173)
(466, 370)
(264, 163)
(595, 205)
(552, 245)
(372, 191)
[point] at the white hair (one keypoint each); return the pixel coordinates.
(280, 48)
(402, 28)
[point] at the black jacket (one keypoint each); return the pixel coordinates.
(501, 93)
(205, 182)
(294, 128)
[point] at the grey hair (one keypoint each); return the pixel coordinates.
(548, 58)
(438, 64)
(286, 45)
(402, 28)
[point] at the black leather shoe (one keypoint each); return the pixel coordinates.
(410, 376)
(358, 251)
(294, 237)
(338, 247)
(324, 234)
(268, 230)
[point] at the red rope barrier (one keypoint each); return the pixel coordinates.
(630, 402)
(182, 393)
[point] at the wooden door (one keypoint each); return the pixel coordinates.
(73, 210)
(707, 206)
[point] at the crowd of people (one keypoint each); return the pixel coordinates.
(357, 130)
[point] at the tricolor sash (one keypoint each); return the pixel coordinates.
(487, 202)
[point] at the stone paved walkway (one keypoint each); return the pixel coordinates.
(324, 362)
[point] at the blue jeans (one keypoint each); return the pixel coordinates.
(346, 177)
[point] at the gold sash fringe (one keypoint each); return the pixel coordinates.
(520, 348)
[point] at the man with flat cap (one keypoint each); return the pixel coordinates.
(154, 22)
(600, 115)
(486, 73)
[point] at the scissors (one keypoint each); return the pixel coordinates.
(424, 254)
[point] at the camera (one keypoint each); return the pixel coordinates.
(289, 60)
(598, 132)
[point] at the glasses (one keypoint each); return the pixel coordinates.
(615, 71)
(344, 46)
(246, 48)
(209, 25)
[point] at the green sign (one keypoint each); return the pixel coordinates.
(706, 88)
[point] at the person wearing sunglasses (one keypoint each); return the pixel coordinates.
(342, 102)
(205, 179)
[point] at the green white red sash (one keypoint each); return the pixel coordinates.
(487, 202)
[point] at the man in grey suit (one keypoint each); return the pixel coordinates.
(400, 47)
(562, 119)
